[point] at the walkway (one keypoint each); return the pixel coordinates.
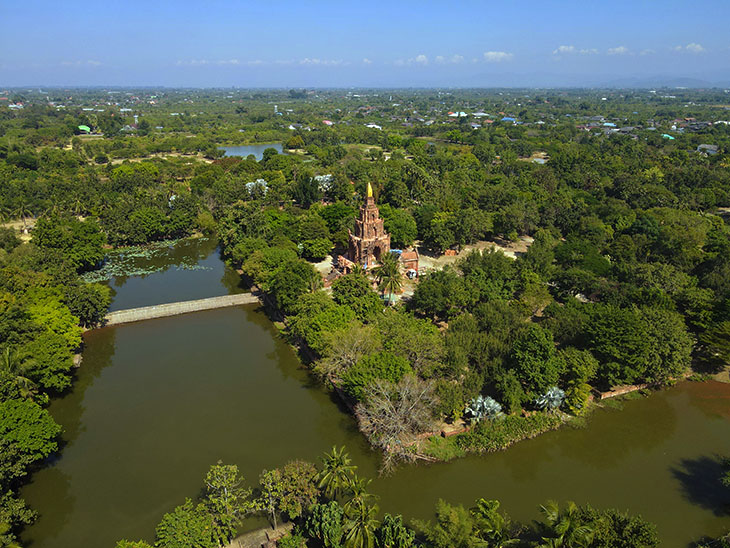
(173, 309)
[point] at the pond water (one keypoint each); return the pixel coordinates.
(175, 271)
(256, 150)
(156, 402)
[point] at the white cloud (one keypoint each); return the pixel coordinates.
(367, 61)
(229, 62)
(321, 62)
(567, 50)
(691, 48)
(497, 56)
(647, 52)
(417, 60)
(454, 59)
(564, 49)
(620, 50)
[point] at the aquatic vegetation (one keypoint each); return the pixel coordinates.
(142, 261)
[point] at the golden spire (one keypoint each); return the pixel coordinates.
(370, 190)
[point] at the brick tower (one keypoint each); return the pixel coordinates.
(369, 242)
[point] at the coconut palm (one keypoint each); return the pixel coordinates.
(564, 529)
(16, 368)
(360, 526)
(491, 525)
(23, 212)
(388, 275)
(336, 474)
(358, 488)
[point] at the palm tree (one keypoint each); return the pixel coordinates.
(564, 529)
(23, 212)
(360, 526)
(491, 525)
(16, 368)
(337, 473)
(388, 275)
(359, 495)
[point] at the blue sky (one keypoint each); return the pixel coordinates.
(322, 43)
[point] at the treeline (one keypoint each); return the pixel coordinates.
(331, 507)
(43, 306)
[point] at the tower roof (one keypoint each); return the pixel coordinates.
(370, 190)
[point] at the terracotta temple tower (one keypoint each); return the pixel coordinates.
(369, 242)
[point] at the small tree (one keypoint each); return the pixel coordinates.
(388, 275)
(226, 500)
(325, 524)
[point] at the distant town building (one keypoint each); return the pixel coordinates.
(708, 150)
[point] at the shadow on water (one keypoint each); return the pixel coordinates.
(700, 482)
(99, 349)
(56, 481)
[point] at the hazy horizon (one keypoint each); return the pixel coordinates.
(325, 44)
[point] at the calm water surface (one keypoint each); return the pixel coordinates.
(157, 402)
(256, 150)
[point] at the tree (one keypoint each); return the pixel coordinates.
(291, 281)
(337, 473)
(299, 488)
(270, 497)
(389, 276)
(346, 347)
(27, 425)
(615, 529)
(454, 528)
(314, 325)
(400, 224)
(316, 250)
(491, 525)
(580, 368)
(295, 142)
(80, 241)
(535, 360)
(564, 529)
(382, 365)
(16, 371)
(670, 346)
(617, 338)
(393, 534)
(226, 501)
(88, 301)
(355, 290)
(325, 524)
(716, 341)
(187, 526)
(392, 414)
(360, 526)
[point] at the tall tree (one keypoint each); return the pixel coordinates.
(388, 275)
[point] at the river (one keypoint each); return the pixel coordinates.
(156, 402)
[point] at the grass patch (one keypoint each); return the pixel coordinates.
(443, 449)
(489, 436)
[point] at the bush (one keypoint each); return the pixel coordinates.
(381, 365)
(490, 436)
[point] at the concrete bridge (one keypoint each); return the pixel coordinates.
(173, 309)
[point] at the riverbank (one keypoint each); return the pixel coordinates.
(188, 385)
